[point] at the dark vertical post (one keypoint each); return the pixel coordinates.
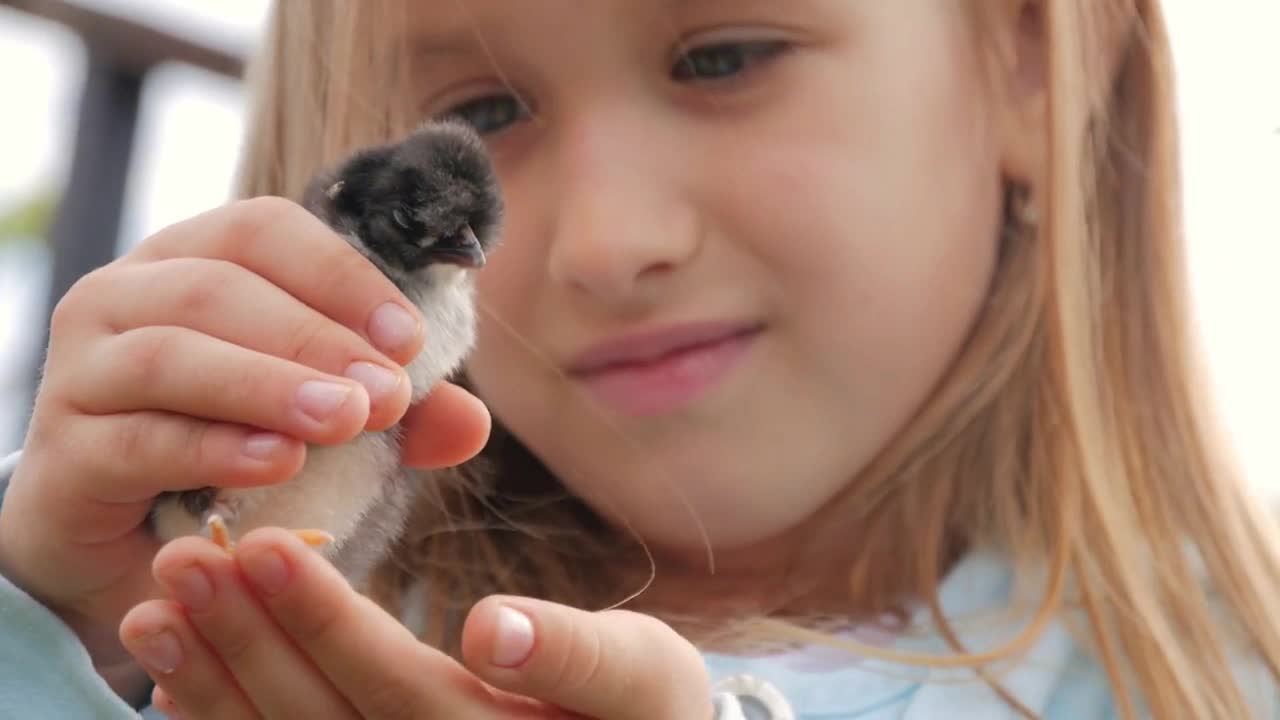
(86, 227)
(85, 231)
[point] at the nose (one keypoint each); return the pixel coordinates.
(622, 223)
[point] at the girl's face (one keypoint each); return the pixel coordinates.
(744, 240)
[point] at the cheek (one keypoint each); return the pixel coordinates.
(880, 185)
(909, 254)
(880, 255)
(505, 290)
(510, 368)
(514, 269)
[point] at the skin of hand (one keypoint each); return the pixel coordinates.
(208, 355)
(276, 631)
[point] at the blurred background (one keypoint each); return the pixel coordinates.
(123, 116)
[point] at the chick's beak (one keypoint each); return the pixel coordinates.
(462, 249)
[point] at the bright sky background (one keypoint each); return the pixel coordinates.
(1229, 65)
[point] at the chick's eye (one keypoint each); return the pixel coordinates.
(489, 114)
(724, 60)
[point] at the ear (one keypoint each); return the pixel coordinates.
(1021, 79)
(1020, 83)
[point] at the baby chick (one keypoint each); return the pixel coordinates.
(425, 211)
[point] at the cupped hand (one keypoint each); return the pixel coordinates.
(276, 631)
(195, 360)
(188, 362)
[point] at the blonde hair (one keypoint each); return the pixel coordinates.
(1079, 399)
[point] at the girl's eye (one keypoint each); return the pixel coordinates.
(489, 114)
(724, 60)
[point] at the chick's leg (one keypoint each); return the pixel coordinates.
(218, 533)
(312, 537)
(217, 528)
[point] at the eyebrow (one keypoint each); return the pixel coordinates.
(689, 3)
(698, 4)
(443, 37)
(430, 43)
(461, 40)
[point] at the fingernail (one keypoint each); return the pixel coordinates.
(192, 588)
(319, 400)
(161, 652)
(378, 381)
(262, 446)
(391, 327)
(512, 639)
(266, 569)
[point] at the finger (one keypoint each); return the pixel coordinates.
(293, 249)
(448, 427)
(159, 636)
(181, 371)
(615, 664)
(278, 680)
(228, 302)
(121, 462)
(374, 661)
(131, 457)
(161, 701)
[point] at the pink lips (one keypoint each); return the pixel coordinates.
(662, 371)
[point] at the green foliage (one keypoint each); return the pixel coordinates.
(29, 219)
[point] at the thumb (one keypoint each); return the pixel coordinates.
(448, 427)
(611, 665)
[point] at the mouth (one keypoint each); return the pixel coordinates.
(665, 370)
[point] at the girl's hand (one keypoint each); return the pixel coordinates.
(200, 358)
(276, 631)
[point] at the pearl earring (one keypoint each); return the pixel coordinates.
(1022, 212)
(1029, 214)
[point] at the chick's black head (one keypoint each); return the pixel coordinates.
(430, 199)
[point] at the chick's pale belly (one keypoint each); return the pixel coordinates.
(448, 308)
(342, 483)
(338, 486)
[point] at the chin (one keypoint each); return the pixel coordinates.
(680, 503)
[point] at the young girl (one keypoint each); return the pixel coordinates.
(844, 344)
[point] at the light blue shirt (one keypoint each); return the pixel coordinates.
(1053, 679)
(45, 673)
